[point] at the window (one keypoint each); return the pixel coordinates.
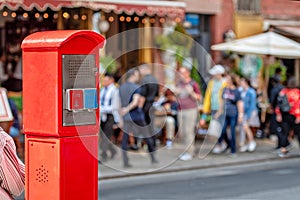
(250, 6)
(199, 24)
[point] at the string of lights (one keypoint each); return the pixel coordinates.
(66, 15)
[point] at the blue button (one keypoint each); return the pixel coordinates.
(90, 98)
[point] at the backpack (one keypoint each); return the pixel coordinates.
(283, 103)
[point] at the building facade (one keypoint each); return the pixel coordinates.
(21, 18)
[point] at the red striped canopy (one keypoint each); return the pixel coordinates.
(140, 7)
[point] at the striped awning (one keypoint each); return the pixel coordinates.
(171, 9)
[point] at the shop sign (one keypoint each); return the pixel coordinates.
(5, 111)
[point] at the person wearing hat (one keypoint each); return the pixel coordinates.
(213, 97)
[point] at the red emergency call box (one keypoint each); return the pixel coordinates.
(59, 67)
(61, 114)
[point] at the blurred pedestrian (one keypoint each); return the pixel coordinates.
(250, 116)
(213, 98)
(3, 74)
(275, 127)
(288, 114)
(274, 86)
(233, 110)
(264, 116)
(166, 115)
(274, 79)
(109, 114)
(13, 68)
(149, 93)
(133, 115)
(12, 170)
(188, 96)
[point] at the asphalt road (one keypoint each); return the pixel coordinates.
(274, 180)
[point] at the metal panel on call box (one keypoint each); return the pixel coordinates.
(79, 71)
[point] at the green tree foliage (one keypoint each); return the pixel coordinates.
(109, 64)
(275, 65)
(178, 41)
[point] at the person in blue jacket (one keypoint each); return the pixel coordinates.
(250, 119)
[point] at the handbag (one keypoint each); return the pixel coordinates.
(254, 120)
(215, 128)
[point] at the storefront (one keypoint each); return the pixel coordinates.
(19, 18)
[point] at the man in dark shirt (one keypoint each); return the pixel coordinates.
(275, 127)
(133, 116)
(149, 92)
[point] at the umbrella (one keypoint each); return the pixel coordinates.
(268, 43)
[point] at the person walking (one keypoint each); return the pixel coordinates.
(275, 127)
(232, 106)
(212, 100)
(250, 116)
(109, 115)
(133, 116)
(188, 96)
(149, 93)
(288, 114)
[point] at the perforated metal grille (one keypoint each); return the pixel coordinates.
(78, 71)
(42, 174)
(78, 68)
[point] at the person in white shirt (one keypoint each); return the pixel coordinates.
(109, 114)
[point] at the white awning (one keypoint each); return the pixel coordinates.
(269, 43)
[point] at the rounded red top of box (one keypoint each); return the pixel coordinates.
(56, 39)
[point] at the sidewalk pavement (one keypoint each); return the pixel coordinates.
(169, 162)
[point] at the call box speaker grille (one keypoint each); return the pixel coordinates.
(78, 68)
(79, 71)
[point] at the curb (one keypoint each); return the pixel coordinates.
(109, 177)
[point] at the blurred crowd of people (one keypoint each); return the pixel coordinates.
(234, 103)
(143, 109)
(139, 111)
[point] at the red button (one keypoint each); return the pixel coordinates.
(75, 100)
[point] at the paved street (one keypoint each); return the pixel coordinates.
(270, 180)
(169, 162)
